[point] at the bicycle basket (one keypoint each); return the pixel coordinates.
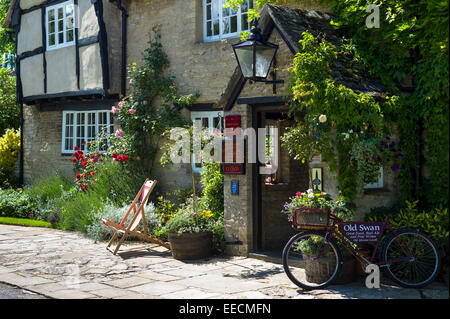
(307, 218)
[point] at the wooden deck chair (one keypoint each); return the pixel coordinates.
(138, 216)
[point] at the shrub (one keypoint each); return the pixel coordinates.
(98, 231)
(212, 182)
(48, 188)
(15, 203)
(433, 222)
(9, 150)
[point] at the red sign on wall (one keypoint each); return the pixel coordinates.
(232, 169)
(231, 123)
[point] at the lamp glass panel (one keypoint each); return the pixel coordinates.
(264, 56)
(245, 57)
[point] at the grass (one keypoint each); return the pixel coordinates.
(24, 222)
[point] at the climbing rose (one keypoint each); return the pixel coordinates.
(131, 111)
(322, 118)
(119, 133)
(120, 104)
(298, 193)
(114, 110)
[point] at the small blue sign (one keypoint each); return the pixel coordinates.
(234, 187)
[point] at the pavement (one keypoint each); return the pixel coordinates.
(50, 263)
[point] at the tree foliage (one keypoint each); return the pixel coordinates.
(9, 109)
(7, 48)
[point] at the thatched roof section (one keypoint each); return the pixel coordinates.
(291, 23)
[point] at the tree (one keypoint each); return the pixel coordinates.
(7, 47)
(9, 109)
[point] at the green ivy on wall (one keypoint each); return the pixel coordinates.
(411, 44)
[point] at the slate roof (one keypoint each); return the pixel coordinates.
(291, 23)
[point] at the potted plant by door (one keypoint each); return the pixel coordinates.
(190, 234)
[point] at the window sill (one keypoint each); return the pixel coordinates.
(376, 191)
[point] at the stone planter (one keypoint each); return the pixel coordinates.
(319, 270)
(190, 246)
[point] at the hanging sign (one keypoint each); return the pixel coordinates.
(232, 122)
(232, 156)
(359, 232)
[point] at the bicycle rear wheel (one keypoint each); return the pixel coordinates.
(311, 261)
(412, 258)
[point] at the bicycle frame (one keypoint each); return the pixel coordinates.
(332, 231)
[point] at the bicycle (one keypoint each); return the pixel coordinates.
(312, 259)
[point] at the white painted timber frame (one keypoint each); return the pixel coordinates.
(85, 127)
(65, 28)
(215, 7)
(210, 116)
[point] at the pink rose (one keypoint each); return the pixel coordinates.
(144, 102)
(118, 133)
(114, 110)
(298, 193)
(120, 104)
(131, 111)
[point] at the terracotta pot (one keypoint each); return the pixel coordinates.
(189, 246)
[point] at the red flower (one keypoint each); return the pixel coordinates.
(74, 160)
(92, 173)
(76, 148)
(100, 160)
(298, 193)
(84, 163)
(86, 174)
(78, 176)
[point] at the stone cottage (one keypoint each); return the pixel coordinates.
(71, 68)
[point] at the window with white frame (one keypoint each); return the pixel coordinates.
(79, 128)
(220, 22)
(209, 120)
(378, 183)
(60, 30)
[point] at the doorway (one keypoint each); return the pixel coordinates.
(271, 228)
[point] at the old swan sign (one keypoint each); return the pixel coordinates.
(361, 231)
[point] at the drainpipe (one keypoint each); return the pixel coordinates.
(19, 101)
(123, 75)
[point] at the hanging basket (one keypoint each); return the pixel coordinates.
(308, 218)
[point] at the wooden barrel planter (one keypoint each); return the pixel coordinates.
(189, 246)
(320, 270)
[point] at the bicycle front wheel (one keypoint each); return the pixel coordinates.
(411, 257)
(311, 261)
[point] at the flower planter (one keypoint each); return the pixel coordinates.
(189, 246)
(319, 270)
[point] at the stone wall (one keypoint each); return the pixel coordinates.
(43, 137)
(42, 145)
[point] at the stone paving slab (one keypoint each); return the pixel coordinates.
(66, 265)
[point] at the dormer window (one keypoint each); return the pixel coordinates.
(60, 30)
(220, 22)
